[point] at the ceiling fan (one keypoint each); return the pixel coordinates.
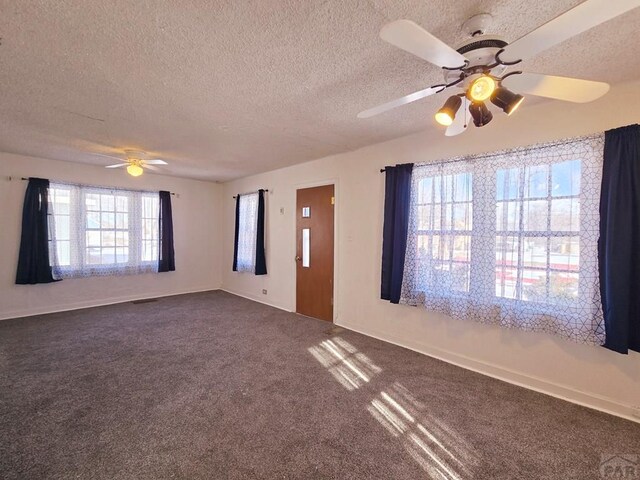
(478, 67)
(135, 161)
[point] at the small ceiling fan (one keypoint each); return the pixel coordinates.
(478, 67)
(135, 161)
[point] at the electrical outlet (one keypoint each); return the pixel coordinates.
(264, 291)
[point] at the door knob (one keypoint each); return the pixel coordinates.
(298, 258)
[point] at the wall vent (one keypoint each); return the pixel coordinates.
(144, 300)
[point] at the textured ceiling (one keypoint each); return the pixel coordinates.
(223, 89)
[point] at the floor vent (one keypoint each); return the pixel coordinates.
(334, 330)
(144, 300)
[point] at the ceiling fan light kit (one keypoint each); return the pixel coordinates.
(481, 88)
(447, 113)
(479, 65)
(506, 100)
(135, 162)
(134, 170)
(480, 113)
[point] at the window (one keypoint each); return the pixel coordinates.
(510, 238)
(247, 232)
(99, 231)
(249, 246)
(150, 228)
(538, 232)
(60, 211)
(444, 213)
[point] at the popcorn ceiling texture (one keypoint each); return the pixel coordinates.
(226, 89)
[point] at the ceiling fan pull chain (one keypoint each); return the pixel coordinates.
(466, 111)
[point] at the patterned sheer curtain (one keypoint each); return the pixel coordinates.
(101, 231)
(510, 239)
(247, 232)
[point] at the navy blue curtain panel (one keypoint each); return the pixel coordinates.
(166, 259)
(397, 195)
(619, 243)
(235, 241)
(33, 260)
(261, 261)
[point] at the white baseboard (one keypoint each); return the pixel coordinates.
(540, 385)
(255, 299)
(89, 303)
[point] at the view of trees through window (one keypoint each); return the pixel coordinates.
(537, 226)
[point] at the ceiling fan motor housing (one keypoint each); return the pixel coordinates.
(480, 51)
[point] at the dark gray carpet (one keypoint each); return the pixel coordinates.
(211, 385)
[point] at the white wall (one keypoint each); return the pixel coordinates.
(197, 237)
(584, 374)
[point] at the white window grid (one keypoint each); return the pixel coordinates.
(247, 230)
(60, 221)
(445, 207)
(520, 233)
(101, 231)
(150, 228)
(567, 301)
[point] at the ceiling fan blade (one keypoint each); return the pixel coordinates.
(560, 88)
(571, 23)
(400, 101)
(108, 156)
(460, 121)
(117, 165)
(150, 167)
(156, 161)
(414, 39)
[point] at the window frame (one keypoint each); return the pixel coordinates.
(484, 208)
(247, 234)
(549, 234)
(452, 232)
(79, 264)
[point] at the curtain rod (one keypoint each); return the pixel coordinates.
(515, 150)
(93, 186)
(247, 193)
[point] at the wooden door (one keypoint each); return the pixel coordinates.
(314, 252)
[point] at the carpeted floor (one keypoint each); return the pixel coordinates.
(211, 385)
